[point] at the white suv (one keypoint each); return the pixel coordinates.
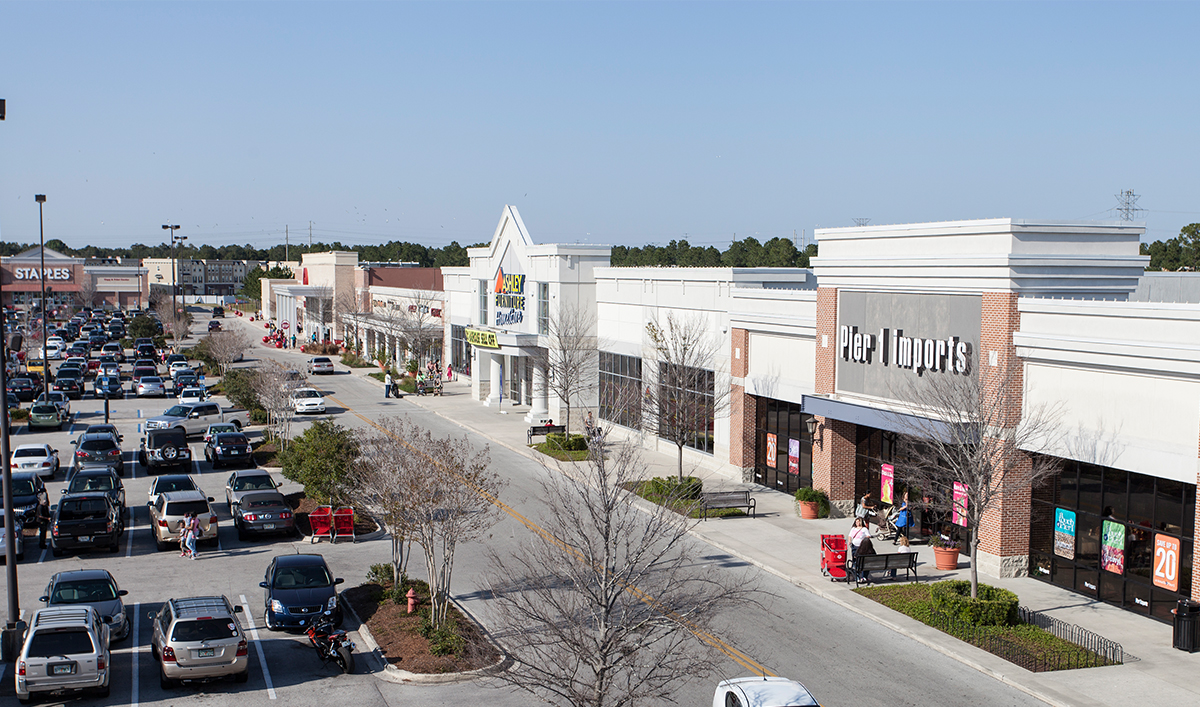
(66, 648)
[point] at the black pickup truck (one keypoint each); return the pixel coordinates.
(83, 521)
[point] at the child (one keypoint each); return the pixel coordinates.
(905, 548)
(184, 531)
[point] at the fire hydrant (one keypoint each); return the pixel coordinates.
(412, 599)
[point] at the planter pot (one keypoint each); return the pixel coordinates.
(945, 558)
(809, 510)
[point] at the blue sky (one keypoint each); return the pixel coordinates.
(619, 122)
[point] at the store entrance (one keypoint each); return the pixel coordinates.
(783, 446)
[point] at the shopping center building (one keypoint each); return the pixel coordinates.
(808, 385)
(70, 282)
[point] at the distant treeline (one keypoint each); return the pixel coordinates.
(746, 253)
(1179, 253)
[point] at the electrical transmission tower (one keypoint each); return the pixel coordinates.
(861, 221)
(1127, 205)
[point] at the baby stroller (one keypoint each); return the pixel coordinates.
(886, 520)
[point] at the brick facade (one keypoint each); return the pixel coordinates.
(833, 460)
(739, 353)
(742, 415)
(826, 340)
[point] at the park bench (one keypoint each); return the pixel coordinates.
(726, 499)
(906, 561)
(544, 430)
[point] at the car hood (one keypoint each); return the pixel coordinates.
(112, 607)
(302, 597)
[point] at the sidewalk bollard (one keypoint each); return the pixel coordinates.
(412, 600)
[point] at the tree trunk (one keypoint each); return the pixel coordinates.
(974, 560)
(679, 448)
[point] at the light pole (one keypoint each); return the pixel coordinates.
(41, 199)
(10, 638)
(174, 266)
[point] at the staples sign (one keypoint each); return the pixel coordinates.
(33, 274)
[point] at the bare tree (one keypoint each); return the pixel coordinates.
(608, 605)
(347, 308)
(322, 312)
(274, 385)
(160, 299)
(966, 438)
(682, 398)
(86, 294)
(437, 492)
(411, 321)
(569, 357)
(227, 347)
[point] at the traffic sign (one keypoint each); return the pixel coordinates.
(286, 325)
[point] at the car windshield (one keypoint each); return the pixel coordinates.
(53, 643)
(177, 411)
(82, 509)
(178, 508)
(44, 410)
(29, 453)
(253, 483)
(204, 630)
(151, 379)
(22, 487)
(178, 484)
(91, 483)
(110, 380)
(307, 394)
(302, 577)
(218, 429)
(83, 590)
(100, 429)
(321, 360)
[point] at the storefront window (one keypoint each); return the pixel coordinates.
(460, 352)
(690, 390)
(543, 308)
(783, 447)
(483, 303)
(1125, 538)
(620, 389)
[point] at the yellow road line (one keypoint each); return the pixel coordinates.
(736, 655)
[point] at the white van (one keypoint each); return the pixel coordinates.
(66, 648)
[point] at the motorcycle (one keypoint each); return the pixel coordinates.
(332, 645)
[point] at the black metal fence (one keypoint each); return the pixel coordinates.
(1094, 650)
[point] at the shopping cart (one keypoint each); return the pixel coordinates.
(833, 557)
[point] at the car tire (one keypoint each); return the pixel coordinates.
(142, 458)
(103, 691)
(21, 555)
(241, 532)
(242, 676)
(271, 626)
(159, 544)
(165, 682)
(114, 548)
(56, 551)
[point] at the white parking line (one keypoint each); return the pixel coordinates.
(42, 558)
(262, 659)
(135, 652)
(129, 529)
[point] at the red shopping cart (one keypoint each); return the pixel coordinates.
(833, 557)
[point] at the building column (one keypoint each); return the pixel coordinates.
(833, 455)
(496, 366)
(743, 414)
(540, 411)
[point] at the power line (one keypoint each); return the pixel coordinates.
(1127, 205)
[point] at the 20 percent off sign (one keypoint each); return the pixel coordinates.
(1166, 562)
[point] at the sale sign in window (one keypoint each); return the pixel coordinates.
(1166, 562)
(772, 449)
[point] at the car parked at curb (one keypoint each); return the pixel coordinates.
(45, 415)
(90, 587)
(99, 478)
(150, 387)
(298, 588)
(98, 448)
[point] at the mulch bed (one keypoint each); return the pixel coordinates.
(396, 632)
(302, 506)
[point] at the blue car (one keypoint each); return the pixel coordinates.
(298, 588)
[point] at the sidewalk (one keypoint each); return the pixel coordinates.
(1154, 673)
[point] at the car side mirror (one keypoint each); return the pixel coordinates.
(149, 503)
(44, 599)
(264, 585)
(237, 609)
(62, 490)
(122, 593)
(339, 580)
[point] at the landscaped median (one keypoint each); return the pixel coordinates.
(684, 496)
(996, 623)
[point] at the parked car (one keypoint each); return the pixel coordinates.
(113, 349)
(69, 383)
(45, 415)
(18, 537)
(107, 386)
(307, 401)
(90, 587)
(175, 367)
(145, 351)
(41, 459)
(29, 496)
(105, 428)
(218, 428)
(263, 512)
(164, 448)
(23, 387)
(170, 482)
(187, 378)
(140, 369)
(762, 692)
(110, 368)
(192, 394)
(65, 650)
(83, 521)
(169, 509)
(228, 448)
(98, 448)
(297, 588)
(193, 419)
(150, 387)
(97, 341)
(99, 477)
(247, 481)
(57, 399)
(198, 639)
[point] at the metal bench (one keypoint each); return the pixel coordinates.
(906, 561)
(726, 499)
(544, 430)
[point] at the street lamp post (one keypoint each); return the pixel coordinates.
(174, 265)
(41, 199)
(14, 629)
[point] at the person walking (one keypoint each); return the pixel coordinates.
(449, 372)
(184, 530)
(903, 521)
(193, 533)
(387, 385)
(43, 521)
(293, 341)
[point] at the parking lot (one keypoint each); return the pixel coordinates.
(282, 665)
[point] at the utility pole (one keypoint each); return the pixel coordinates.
(14, 629)
(1127, 205)
(285, 244)
(310, 236)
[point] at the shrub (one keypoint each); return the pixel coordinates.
(237, 385)
(319, 459)
(327, 348)
(994, 607)
(380, 573)
(689, 488)
(577, 443)
(812, 495)
(19, 414)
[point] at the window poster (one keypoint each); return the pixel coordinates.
(772, 449)
(959, 515)
(1064, 533)
(793, 456)
(1112, 547)
(1166, 562)
(887, 479)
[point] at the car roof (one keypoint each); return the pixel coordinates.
(82, 495)
(73, 614)
(100, 428)
(44, 447)
(93, 469)
(193, 607)
(299, 560)
(187, 495)
(173, 477)
(81, 574)
(770, 692)
(251, 472)
(26, 475)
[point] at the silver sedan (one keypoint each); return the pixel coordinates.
(147, 386)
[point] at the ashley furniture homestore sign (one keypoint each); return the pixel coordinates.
(886, 338)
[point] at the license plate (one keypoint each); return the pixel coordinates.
(84, 538)
(206, 653)
(268, 526)
(64, 669)
(236, 452)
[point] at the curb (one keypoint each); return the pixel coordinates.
(392, 674)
